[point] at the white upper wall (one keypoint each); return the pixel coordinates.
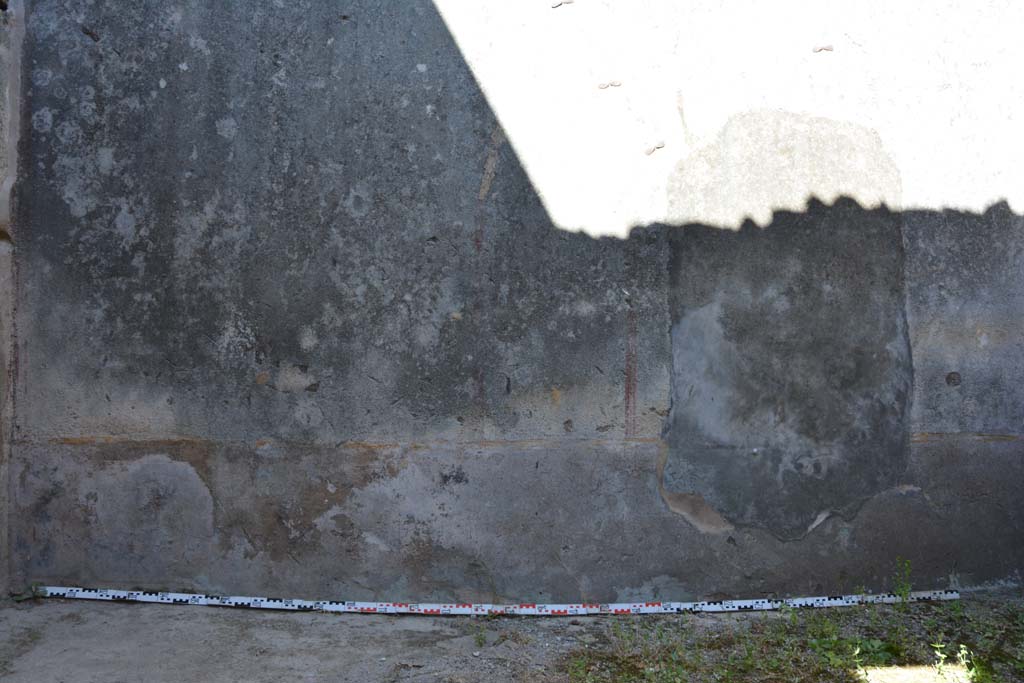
(759, 105)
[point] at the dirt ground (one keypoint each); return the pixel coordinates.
(53, 640)
(83, 641)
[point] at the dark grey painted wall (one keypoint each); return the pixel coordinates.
(791, 365)
(292, 319)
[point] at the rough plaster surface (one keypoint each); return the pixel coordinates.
(965, 275)
(542, 521)
(294, 320)
(261, 224)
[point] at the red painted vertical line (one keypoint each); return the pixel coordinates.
(486, 179)
(479, 296)
(630, 388)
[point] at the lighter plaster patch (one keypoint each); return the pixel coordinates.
(105, 160)
(76, 178)
(325, 521)
(308, 339)
(42, 120)
(293, 379)
(197, 43)
(236, 339)
(357, 203)
(308, 413)
(154, 516)
(124, 223)
(765, 161)
(227, 128)
(376, 541)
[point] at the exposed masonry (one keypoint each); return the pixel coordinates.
(293, 320)
(11, 32)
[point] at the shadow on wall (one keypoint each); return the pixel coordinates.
(313, 234)
(791, 365)
(316, 232)
(799, 349)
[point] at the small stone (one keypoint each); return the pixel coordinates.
(476, 654)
